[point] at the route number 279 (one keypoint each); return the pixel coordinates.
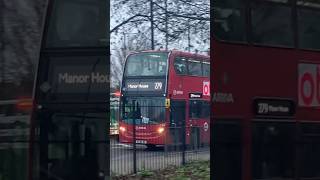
(263, 108)
(158, 85)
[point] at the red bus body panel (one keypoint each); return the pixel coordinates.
(187, 84)
(266, 75)
(247, 72)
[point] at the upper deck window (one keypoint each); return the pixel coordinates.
(309, 3)
(75, 28)
(206, 68)
(147, 64)
(180, 65)
(229, 20)
(271, 25)
(309, 27)
(194, 67)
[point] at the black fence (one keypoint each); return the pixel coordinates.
(141, 147)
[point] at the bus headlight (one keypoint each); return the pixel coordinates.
(160, 130)
(122, 129)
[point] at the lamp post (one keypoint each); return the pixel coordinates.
(151, 21)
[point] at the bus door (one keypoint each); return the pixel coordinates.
(227, 149)
(177, 121)
(73, 145)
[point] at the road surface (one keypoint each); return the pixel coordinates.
(121, 157)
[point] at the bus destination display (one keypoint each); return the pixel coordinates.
(145, 85)
(274, 107)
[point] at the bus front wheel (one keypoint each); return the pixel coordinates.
(151, 146)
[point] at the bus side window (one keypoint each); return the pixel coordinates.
(194, 67)
(309, 28)
(180, 66)
(227, 155)
(268, 28)
(199, 109)
(309, 150)
(229, 21)
(205, 110)
(206, 69)
(195, 109)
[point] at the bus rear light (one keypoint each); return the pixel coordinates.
(160, 130)
(117, 94)
(24, 104)
(122, 129)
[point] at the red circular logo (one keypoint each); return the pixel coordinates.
(307, 99)
(206, 89)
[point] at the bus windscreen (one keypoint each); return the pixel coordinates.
(143, 110)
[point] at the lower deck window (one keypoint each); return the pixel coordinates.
(309, 150)
(273, 150)
(227, 150)
(199, 109)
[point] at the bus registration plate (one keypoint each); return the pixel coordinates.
(141, 142)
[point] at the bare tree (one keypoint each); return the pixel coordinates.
(130, 43)
(174, 23)
(173, 19)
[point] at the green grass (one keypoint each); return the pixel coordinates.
(193, 170)
(196, 170)
(145, 173)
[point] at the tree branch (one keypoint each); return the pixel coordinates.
(127, 21)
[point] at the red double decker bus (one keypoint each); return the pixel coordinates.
(266, 122)
(165, 96)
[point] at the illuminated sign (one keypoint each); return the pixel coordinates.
(144, 85)
(195, 95)
(77, 76)
(82, 78)
(273, 107)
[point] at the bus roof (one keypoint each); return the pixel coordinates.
(175, 52)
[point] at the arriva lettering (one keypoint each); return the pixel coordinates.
(222, 98)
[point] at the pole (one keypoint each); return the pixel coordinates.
(134, 137)
(183, 143)
(166, 19)
(151, 21)
(189, 39)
